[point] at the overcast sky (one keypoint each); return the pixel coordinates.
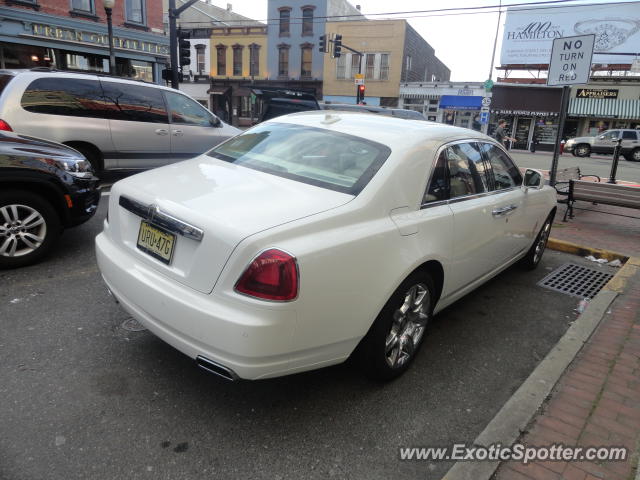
(464, 42)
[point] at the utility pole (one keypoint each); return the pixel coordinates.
(174, 13)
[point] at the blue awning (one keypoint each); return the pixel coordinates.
(462, 102)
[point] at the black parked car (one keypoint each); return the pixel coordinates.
(44, 188)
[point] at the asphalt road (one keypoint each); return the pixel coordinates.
(596, 165)
(84, 398)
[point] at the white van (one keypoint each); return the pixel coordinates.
(114, 122)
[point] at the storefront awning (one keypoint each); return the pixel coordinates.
(604, 107)
(417, 92)
(455, 102)
(218, 90)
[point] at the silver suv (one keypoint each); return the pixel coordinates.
(605, 143)
(115, 123)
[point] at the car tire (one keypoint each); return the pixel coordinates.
(396, 335)
(634, 155)
(23, 244)
(583, 150)
(531, 260)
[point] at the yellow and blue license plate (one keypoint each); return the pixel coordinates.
(156, 242)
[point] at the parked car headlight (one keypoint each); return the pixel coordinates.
(77, 168)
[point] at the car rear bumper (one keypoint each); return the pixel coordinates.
(251, 342)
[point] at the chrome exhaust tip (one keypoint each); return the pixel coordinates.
(215, 368)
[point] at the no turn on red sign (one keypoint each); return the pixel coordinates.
(570, 62)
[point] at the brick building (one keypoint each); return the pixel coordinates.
(72, 35)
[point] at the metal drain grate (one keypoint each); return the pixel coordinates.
(576, 280)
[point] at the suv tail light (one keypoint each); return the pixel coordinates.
(273, 275)
(5, 126)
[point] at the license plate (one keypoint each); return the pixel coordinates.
(156, 242)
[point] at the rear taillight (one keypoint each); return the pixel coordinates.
(273, 275)
(5, 126)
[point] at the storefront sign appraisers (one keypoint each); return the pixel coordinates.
(79, 36)
(596, 93)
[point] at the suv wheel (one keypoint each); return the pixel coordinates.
(583, 150)
(634, 156)
(29, 226)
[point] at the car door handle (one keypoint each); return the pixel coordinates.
(162, 131)
(503, 210)
(177, 133)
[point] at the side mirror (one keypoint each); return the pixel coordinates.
(216, 122)
(533, 179)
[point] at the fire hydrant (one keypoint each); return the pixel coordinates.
(561, 147)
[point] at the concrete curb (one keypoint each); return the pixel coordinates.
(516, 414)
(568, 247)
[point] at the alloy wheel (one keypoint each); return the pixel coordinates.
(582, 151)
(22, 230)
(542, 242)
(407, 328)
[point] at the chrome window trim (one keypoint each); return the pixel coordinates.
(473, 195)
(153, 214)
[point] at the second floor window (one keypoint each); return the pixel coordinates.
(340, 67)
(384, 66)
(355, 65)
(221, 63)
(305, 68)
(254, 60)
(200, 60)
(135, 11)
(370, 64)
(283, 62)
(285, 16)
(375, 66)
(307, 21)
(82, 5)
(237, 61)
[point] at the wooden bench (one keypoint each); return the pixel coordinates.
(604, 193)
(564, 175)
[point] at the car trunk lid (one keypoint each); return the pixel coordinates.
(208, 206)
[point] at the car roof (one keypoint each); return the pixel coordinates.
(390, 131)
(42, 73)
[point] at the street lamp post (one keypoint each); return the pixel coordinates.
(108, 7)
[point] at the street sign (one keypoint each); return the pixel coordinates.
(484, 109)
(486, 101)
(570, 62)
(484, 117)
(488, 85)
(359, 78)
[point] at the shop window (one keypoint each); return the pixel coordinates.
(254, 60)
(306, 61)
(283, 61)
(134, 103)
(135, 11)
(186, 111)
(285, 23)
(237, 60)
(73, 97)
(307, 21)
(142, 70)
(245, 106)
(85, 6)
(221, 60)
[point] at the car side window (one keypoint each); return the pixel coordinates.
(505, 172)
(69, 97)
(186, 111)
(628, 135)
(467, 172)
(438, 188)
(134, 103)
(611, 135)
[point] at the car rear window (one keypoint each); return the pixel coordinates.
(4, 81)
(319, 157)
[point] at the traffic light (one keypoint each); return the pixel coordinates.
(337, 46)
(360, 93)
(184, 48)
(323, 44)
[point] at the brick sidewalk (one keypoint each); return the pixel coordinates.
(597, 400)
